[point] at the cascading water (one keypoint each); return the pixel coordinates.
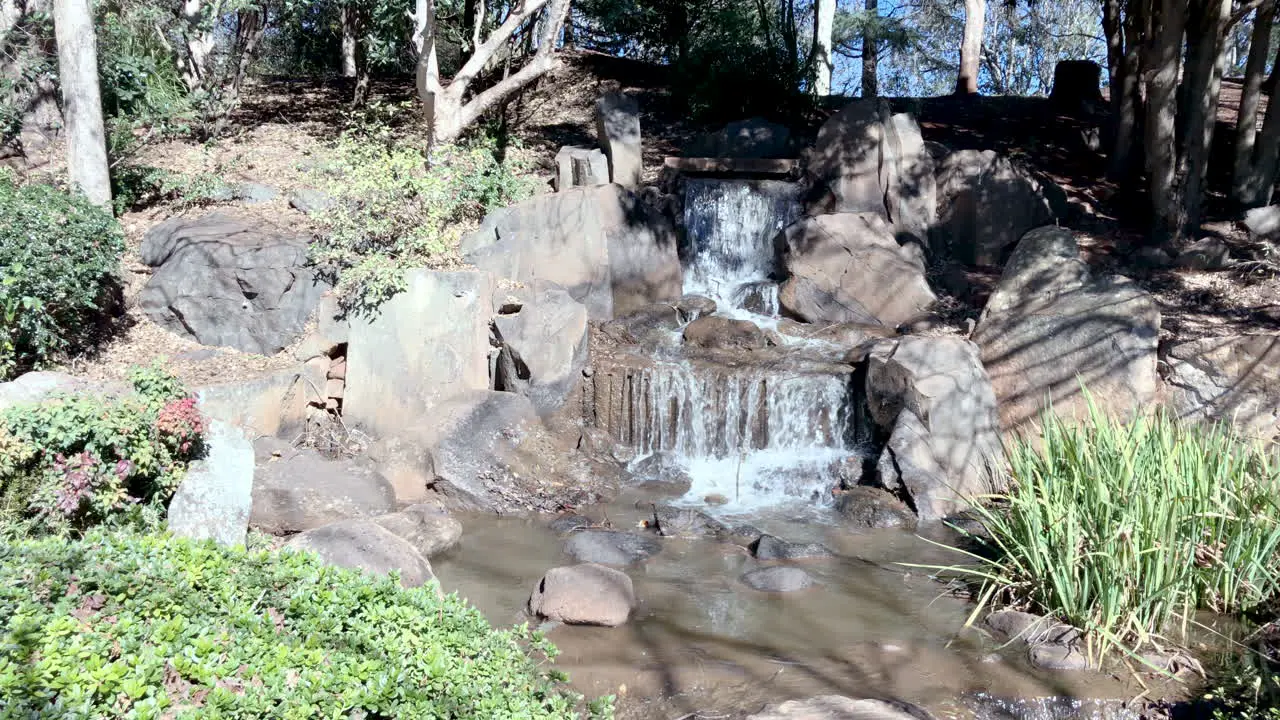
(730, 227)
(758, 428)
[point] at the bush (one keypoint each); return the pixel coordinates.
(394, 212)
(74, 461)
(59, 257)
(1120, 529)
(150, 627)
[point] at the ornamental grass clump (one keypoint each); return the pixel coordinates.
(1127, 529)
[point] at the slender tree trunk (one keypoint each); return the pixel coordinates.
(975, 19)
(1266, 151)
(1203, 84)
(1163, 61)
(870, 50)
(360, 96)
(473, 19)
(199, 17)
(824, 16)
(348, 42)
(1250, 99)
(1127, 97)
(449, 109)
(252, 27)
(82, 100)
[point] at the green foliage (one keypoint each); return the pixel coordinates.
(59, 257)
(139, 186)
(393, 211)
(82, 460)
(1123, 529)
(151, 627)
(143, 95)
(1248, 686)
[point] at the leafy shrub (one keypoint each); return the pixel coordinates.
(394, 210)
(140, 186)
(59, 257)
(82, 460)
(1120, 529)
(150, 627)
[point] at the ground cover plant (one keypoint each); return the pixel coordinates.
(145, 626)
(1127, 529)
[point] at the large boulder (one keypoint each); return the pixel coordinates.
(427, 527)
(580, 167)
(363, 544)
(33, 387)
(544, 347)
(424, 345)
(847, 268)
(871, 508)
(750, 138)
(618, 131)
(1263, 223)
(493, 453)
(299, 489)
(225, 281)
(274, 404)
(715, 331)
(215, 498)
(986, 202)
(937, 403)
(585, 594)
(610, 250)
(1052, 325)
(1233, 378)
(869, 160)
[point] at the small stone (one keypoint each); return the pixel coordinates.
(716, 499)
(769, 547)
(778, 579)
(1205, 254)
(252, 193)
(565, 524)
(686, 522)
(870, 508)
(310, 200)
(1051, 656)
(692, 307)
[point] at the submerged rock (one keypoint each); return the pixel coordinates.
(565, 524)
(725, 333)
(687, 523)
(768, 547)
(778, 579)
(611, 547)
(837, 707)
(427, 527)
(584, 595)
(662, 473)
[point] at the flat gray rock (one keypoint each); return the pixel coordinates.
(584, 595)
(611, 547)
(768, 547)
(362, 544)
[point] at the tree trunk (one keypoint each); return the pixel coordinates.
(870, 50)
(1266, 152)
(360, 96)
(1202, 86)
(200, 18)
(348, 42)
(975, 19)
(1126, 96)
(824, 16)
(448, 109)
(1250, 99)
(1163, 60)
(82, 100)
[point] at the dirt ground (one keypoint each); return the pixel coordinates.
(284, 123)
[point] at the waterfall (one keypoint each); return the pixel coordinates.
(730, 228)
(757, 434)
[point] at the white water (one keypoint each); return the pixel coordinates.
(731, 226)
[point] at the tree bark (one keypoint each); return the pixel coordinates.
(1266, 152)
(348, 42)
(199, 18)
(1250, 99)
(1203, 83)
(1126, 96)
(975, 19)
(824, 16)
(1163, 60)
(871, 50)
(82, 100)
(447, 107)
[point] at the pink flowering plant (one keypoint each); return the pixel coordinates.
(92, 459)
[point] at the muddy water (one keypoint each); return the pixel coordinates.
(701, 642)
